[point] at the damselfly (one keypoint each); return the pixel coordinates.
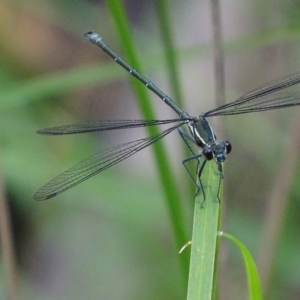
(199, 132)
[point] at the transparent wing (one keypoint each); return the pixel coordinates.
(102, 126)
(266, 97)
(96, 164)
(278, 100)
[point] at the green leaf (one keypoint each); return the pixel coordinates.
(255, 292)
(204, 240)
(163, 164)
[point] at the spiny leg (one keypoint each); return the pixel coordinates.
(199, 178)
(189, 142)
(220, 179)
(199, 187)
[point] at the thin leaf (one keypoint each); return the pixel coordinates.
(163, 165)
(204, 240)
(255, 292)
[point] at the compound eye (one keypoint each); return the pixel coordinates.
(207, 153)
(228, 147)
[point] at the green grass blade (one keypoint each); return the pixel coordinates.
(170, 53)
(204, 239)
(162, 161)
(255, 292)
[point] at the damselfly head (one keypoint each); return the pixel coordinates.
(217, 151)
(228, 146)
(208, 152)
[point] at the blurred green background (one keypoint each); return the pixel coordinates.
(111, 237)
